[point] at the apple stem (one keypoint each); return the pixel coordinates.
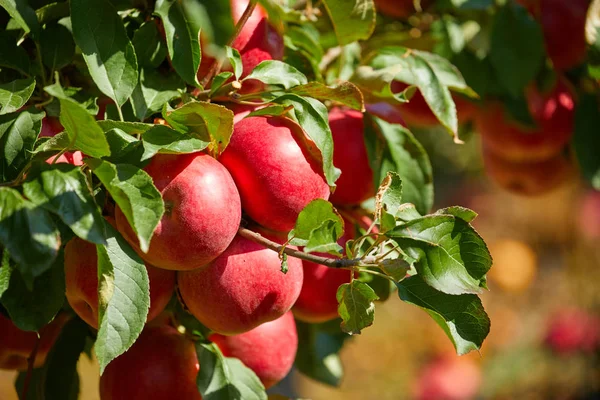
(344, 263)
(215, 68)
(30, 363)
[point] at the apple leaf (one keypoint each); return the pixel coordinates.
(52, 12)
(123, 297)
(277, 73)
(83, 130)
(132, 128)
(149, 46)
(388, 201)
(462, 317)
(345, 93)
(450, 255)
(27, 232)
(318, 351)
(77, 95)
(224, 378)
(57, 46)
(393, 148)
(356, 306)
(318, 228)
(153, 91)
(235, 59)
(14, 95)
(62, 189)
(135, 194)
(516, 62)
(219, 81)
(164, 140)
(23, 14)
(18, 132)
(124, 148)
(463, 213)
(6, 270)
(13, 56)
(208, 122)
(352, 19)
(30, 308)
(313, 118)
(181, 21)
(586, 140)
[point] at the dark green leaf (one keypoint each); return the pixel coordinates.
(78, 95)
(52, 12)
(182, 28)
(356, 306)
(31, 309)
(150, 49)
(277, 73)
(516, 60)
(14, 95)
(6, 270)
(63, 190)
(123, 297)
(352, 19)
(345, 93)
(23, 14)
(153, 91)
(124, 148)
(57, 46)
(462, 317)
(84, 132)
(451, 256)
(586, 139)
(11, 55)
(164, 140)
(18, 132)
(318, 228)
(218, 81)
(111, 62)
(225, 378)
(132, 128)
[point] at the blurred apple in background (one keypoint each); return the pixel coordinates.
(571, 330)
(515, 265)
(449, 377)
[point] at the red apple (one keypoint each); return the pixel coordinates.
(81, 276)
(161, 365)
(553, 113)
(528, 178)
(572, 330)
(588, 220)
(16, 345)
(448, 378)
(399, 8)
(563, 24)
(269, 349)
(202, 212)
(275, 174)
(355, 185)
(241, 289)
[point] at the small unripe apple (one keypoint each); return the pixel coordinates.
(81, 276)
(401, 9)
(355, 184)
(241, 289)
(16, 345)
(161, 364)
(554, 114)
(274, 172)
(202, 212)
(269, 349)
(528, 178)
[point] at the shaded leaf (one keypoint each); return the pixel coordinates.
(356, 306)
(14, 95)
(352, 19)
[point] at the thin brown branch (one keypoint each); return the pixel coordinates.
(328, 262)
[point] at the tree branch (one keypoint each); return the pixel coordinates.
(326, 261)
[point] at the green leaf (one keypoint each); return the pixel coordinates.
(312, 116)
(394, 148)
(27, 232)
(277, 73)
(14, 95)
(355, 306)
(132, 128)
(225, 378)
(459, 212)
(516, 61)
(447, 73)
(52, 12)
(135, 193)
(124, 148)
(150, 49)
(182, 29)
(352, 19)
(23, 14)
(13, 56)
(62, 189)
(462, 317)
(57, 46)
(306, 37)
(153, 91)
(123, 297)
(318, 228)
(388, 201)
(6, 270)
(451, 256)
(586, 140)
(83, 130)
(164, 140)
(218, 81)
(18, 132)
(107, 51)
(84, 98)
(235, 60)
(318, 351)
(32, 308)
(209, 122)
(345, 93)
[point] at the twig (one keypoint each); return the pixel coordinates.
(30, 363)
(328, 262)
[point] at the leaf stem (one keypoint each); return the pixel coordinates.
(370, 271)
(30, 363)
(120, 112)
(343, 263)
(217, 64)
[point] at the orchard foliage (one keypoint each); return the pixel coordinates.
(96, 96)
